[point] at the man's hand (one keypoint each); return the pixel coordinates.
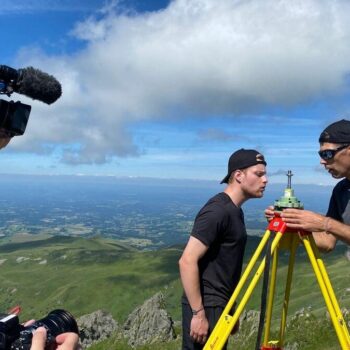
(68, 341)
(269, 213)
(4, 141)
(304, 219)
(4, 138)
(39, 339)
(199, 328)
(64, 341)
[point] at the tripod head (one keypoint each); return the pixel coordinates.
(288, 200)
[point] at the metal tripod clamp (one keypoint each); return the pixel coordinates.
(277, 225)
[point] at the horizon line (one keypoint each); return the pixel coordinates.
(148, 178)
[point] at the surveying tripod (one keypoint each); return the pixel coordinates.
(278, 235)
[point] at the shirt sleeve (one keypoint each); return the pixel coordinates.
(209, 223)
(333, 208)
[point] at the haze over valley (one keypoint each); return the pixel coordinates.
(143, 212)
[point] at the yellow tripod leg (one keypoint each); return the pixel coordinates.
(294, 245)
(271, 293)
(226, 322)
(289, 241)
(327, 292)
(222, 330)
(329, 287)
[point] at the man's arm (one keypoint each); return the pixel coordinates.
(189, 273)
(325, 241)
(324, 226)
(339, 230)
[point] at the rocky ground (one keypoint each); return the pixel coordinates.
(147, 324)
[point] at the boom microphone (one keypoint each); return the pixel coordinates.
(32, 83)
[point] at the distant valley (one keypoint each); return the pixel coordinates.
(144, 213)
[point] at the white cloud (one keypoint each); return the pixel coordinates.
(196, 56)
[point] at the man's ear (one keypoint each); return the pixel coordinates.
(238, 175)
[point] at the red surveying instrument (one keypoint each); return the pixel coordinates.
(279, 236)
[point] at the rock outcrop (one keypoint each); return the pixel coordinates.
(248, 327)
(95, 327)
(149, 323)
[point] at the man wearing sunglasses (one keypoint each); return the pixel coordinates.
(335, 157)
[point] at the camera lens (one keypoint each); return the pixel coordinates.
(56, 322)
(59, 321)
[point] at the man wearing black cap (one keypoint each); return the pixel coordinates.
(335, 157)
(211, 263)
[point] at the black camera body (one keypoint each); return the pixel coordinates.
(14, 117)
(14, 336)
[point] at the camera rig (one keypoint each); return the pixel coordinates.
(13, 115)
(14, 336)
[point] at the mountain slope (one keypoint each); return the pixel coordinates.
(83, 275)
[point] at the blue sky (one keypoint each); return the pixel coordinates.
(170, 89)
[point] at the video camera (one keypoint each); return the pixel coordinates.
(13, 115)
(14, 336)
(30, 82)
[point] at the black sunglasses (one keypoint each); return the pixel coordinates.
(328, 154)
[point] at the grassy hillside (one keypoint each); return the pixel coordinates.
(83, 275)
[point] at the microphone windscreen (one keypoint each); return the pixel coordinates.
(7, 73)
(38, 85)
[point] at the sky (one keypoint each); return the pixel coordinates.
(169, 89)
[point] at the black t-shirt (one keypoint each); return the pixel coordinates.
(339, 204)
(220, 226)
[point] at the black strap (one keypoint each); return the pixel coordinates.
(264, 291)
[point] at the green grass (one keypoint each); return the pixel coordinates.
(117, 344)
(83, 275)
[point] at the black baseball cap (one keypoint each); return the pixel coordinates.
(338, 132)
(241, 159)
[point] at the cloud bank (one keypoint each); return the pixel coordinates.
(193, 58)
